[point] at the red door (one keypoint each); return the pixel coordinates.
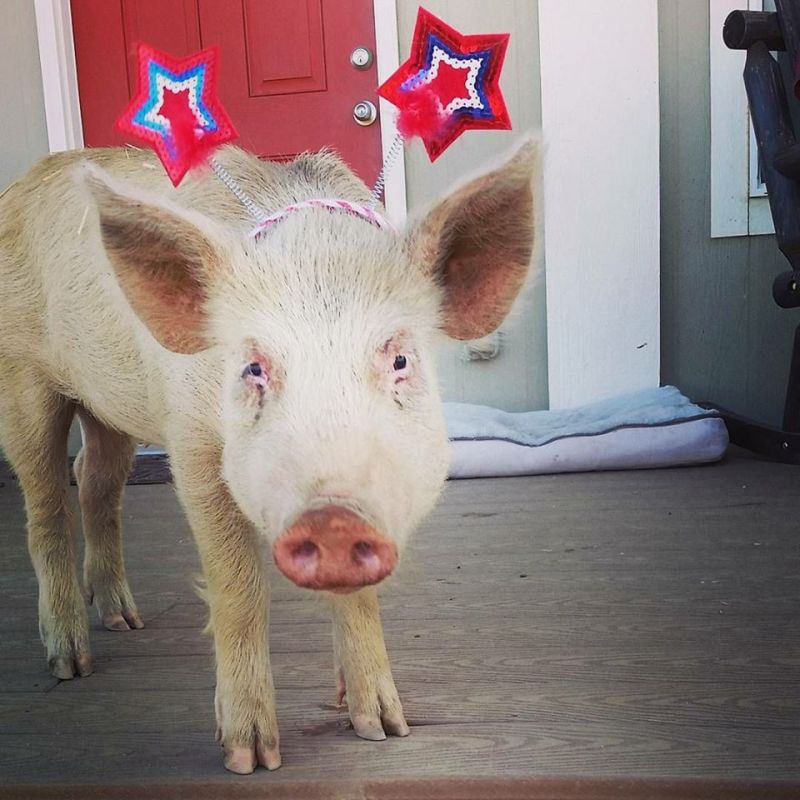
(286, 77)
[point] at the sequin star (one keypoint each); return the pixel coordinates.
(176, 110)
(463, 73)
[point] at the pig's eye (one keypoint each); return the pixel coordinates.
(256, 374)
(400, 362)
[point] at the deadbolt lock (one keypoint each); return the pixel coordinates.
(361, 58)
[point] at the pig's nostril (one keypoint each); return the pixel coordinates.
(306, 558)
(305, 550)
(365, 556)
(362, 550)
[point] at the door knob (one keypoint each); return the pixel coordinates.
(365, 113)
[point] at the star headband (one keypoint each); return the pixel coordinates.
(448, 85)
(176, 109)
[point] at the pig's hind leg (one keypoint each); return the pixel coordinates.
(362, 667)
(34, 426)
(101, 468)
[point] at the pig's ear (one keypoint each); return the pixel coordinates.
(162, 259)
(478, 242)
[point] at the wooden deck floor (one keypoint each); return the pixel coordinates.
(634, 626)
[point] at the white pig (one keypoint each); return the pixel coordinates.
(290, 378)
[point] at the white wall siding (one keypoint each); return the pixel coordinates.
(600, 114)
(23, 132)
(724, 339)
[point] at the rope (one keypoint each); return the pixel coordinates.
(332, 204)
(366, 212)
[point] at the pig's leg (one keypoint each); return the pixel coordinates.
(362, 667)
(34, 425)
(238, 598)
(101, 468)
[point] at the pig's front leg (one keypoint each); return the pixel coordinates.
(238, 598)
(362, 667)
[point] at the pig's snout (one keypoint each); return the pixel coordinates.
(333, 548)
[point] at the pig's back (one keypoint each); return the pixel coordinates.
(61, 307)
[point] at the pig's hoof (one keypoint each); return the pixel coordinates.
(115, 605)
(247, 739)
(376, 728)
(268, 757)
(66, 667)
(67, 644)
(395, 723)
(368, 727)
(125, 620)
(243, 759)
(375, 710)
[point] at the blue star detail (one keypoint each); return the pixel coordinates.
(161, 79)
(176, 110)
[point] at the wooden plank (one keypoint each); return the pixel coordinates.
(454, 788)
(653, 635)
(318, 751)
(180, 630)
(519, 666)
(544, 700)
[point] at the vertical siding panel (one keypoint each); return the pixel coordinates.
(599, 66)
(517, 378)
(723, 339)
(23, 130)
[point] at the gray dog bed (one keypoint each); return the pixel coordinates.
(643, 430)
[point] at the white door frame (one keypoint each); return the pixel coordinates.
(59, 76)
(62, 105)
(600, 118)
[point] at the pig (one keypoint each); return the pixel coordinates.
(290, 378)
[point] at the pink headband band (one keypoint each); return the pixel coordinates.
(332, 204)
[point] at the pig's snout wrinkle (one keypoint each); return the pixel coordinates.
(334, 549)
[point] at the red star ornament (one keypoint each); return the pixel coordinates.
(461, 72)
(176, 109)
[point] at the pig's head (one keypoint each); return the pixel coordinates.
(321, 334)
